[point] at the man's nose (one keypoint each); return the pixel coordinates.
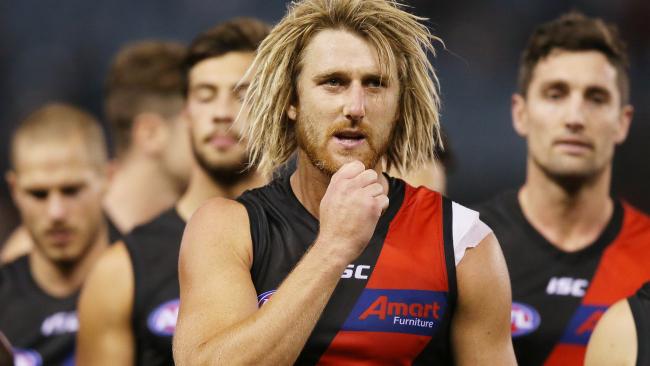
(225, 109)
(575, 114)
(56, 206)
(355, 107)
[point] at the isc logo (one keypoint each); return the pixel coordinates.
(567, 286)
(359, 272)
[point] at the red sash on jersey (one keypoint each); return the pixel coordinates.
(624, 267)
(406, 297)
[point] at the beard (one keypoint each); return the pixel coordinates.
(224, 174)
(316, 149)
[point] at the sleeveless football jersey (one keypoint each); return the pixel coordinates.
(394, 304)
(558, 297)
(640, 307)
(153, 248)
(40, 327)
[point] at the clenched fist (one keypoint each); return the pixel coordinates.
(350, 209)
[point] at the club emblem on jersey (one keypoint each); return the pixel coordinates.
(524, 319)
(63, 322)
(582, 323)
(398, 311)
(24, 357)
(264, 297)
(162, 321)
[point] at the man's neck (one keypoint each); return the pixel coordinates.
(139, 191)
(62, 281)
(309, 183)
(202, 187)
(570, 219)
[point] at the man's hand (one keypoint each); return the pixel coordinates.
(350, 209)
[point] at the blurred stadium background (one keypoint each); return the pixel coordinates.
(60, 51)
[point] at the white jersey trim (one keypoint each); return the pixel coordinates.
(468, 230)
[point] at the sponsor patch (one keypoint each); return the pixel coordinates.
(264, 297)
(398, 311)
(162, 321)
(582, 324)
(524, 319)
(25, 357)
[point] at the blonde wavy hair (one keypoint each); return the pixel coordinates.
(399, 37)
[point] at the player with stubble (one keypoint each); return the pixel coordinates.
(58, 177)
(339, 263)
(572, 249)
(129, 305)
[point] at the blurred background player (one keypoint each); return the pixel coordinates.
(134, 323)
(144, 101)
(58, 179)
(622, 336)
(144, 104)
(572, 250)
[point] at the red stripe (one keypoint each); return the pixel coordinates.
(373, 348)
(414, 245)
(624, 267)
(412, 258)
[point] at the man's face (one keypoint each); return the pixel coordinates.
(345, 110)
(58, 190)
(215, 97)
(572, 116)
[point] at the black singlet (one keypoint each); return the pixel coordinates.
(153, 248)
(558, 297)
(640, 307)
(393, 305)
(40, 327)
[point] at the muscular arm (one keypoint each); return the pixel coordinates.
(481, 325)
(105, 334)
(614, 340)
(219, 322)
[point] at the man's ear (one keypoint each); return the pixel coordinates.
(519, 117)
(149, 133)
(292, 112)
(625, 121)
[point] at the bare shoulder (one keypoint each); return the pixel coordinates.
(218, 212)
(18, 244)
(614, 338)
(481, 325)
(486, 255)
(217, 223)
(112, 271)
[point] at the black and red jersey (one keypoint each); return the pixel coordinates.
(558, 297)
(394, 303)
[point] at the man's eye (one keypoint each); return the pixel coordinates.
(39, 194)
(598, 98)
(554, 94)
(70, 191)
(333, 82)
(375, 83)
(204, 94)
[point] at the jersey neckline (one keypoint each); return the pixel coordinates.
(606, 237)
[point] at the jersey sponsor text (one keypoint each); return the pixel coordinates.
(399, 311)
